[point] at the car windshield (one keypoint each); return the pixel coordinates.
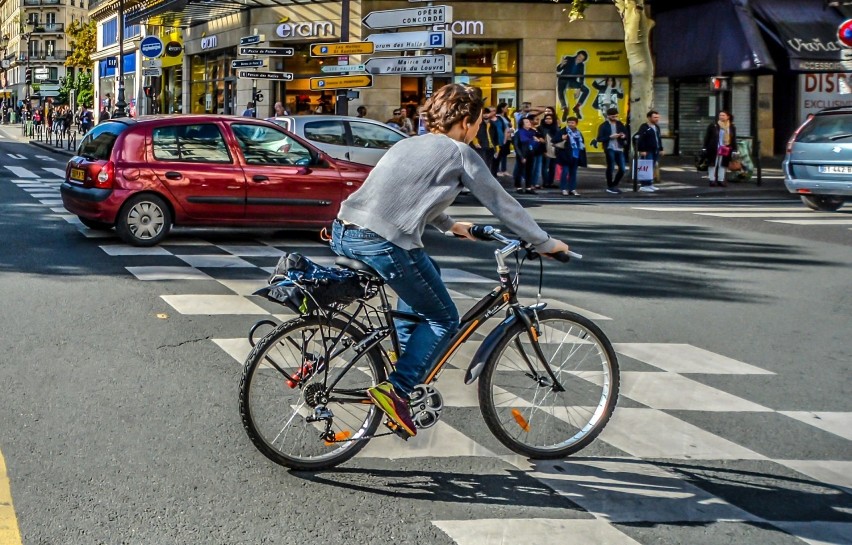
(825, 129)
(98, 143)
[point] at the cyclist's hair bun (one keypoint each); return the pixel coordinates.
(452, 103)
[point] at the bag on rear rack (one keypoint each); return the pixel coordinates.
(304, 286)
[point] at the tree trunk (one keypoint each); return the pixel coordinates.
(637, 36)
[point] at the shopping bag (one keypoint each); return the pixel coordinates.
(645, 170)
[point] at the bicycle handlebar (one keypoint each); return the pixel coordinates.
(486, 232)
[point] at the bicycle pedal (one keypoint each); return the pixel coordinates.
(397, 430)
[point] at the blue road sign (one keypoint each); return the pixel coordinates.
(436, 39)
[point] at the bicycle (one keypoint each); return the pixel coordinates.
(548, 379)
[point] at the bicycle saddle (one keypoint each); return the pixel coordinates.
(358, 266)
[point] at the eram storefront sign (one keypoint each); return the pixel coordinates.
(304, 29)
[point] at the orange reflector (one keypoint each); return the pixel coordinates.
(339, 436)
(522, 422)
(803, 190)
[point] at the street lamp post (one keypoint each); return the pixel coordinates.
(120, 104)
(4, 44)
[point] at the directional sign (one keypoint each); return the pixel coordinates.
(332, 69)
(288, 76)
(253, 63)
(272, 51)
(152, 63)
(393, 18)
(341, 48)
(424, 64)
(254, 39)
(40, 75)
(341, 82)
(419, 39)
(152, 72)
(42, 70)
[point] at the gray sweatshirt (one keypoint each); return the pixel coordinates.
(417, 179)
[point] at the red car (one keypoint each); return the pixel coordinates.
(141, 176)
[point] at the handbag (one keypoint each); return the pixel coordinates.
(645, 170)
(735, 165)
(724, 151)
(701, 164)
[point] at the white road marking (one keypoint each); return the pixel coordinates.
(21, 172)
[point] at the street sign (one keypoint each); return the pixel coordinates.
(423, 64)
(393, 18)
(341, 82)
(248, 63)
(152, 63)
(151, 47)
(419, 39)
(332, 69)
(254, 39)
(152, 72)
(287, 76)
(40, 75)
(272, 51)
(341, 48)
(42, 70)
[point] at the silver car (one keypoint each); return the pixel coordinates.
(355, 139)
(818, 163)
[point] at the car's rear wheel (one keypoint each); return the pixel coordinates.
(95, 224)
(824, 203)
(144, 220)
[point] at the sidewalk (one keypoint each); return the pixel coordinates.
(679, 179)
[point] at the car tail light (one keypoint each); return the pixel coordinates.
(106, 177)
(796, 134)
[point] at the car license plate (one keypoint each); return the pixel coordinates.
(78, 174)
(835, 169)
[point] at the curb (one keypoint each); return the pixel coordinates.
(54, 149)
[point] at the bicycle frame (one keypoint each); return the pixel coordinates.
(501, 297)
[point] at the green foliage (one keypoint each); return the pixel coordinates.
(578, 7)
(84, 89)
(83, 38)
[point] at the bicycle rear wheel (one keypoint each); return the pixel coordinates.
(274, 407)
(520, 406)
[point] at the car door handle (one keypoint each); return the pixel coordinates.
(172, 175)
(259, 178)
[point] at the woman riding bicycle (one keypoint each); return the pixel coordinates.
(382, 224)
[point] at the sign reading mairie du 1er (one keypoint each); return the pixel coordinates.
(423, 64)
(272, 51)
(287, 76)
(393, 18)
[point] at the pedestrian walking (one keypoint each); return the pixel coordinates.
(382, 224)
(612, 135)
(720, 143)
(86, 119)
(570, 155)
(550, 131)
(649, 145)
(249, 111)
(504, 138)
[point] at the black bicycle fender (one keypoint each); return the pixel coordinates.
(477, 364)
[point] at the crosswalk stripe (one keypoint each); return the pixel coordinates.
(815, 222)
(791, 208)
(56, 171)
(45, 158)
(21, 172)
(16, 156)
(804, 214)
(533, 530)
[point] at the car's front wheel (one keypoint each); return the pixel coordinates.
(144, 220)
(95, 224)
(824, 203)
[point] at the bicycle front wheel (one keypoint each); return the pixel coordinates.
(517, 397)
(284, 382)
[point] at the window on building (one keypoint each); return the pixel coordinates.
(49, 19)
(53, 73)
(109, 32)
(201, 143)
(492, 66)
(50, 48)
(32, 48)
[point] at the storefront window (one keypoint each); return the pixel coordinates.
(214, 85)
(297, 95)
(491, 66)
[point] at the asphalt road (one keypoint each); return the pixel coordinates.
(119, 390)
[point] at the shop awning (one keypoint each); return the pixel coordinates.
(807, 30)
(716, 37)
(186, 13)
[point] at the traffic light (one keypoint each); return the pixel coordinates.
(28, 76)
(718, 83)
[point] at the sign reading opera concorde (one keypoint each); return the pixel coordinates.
(393, 18)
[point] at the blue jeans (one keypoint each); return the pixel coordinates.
(416, 279)
(614, 159)
(568, 177)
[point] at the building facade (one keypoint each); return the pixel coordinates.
(41, 46)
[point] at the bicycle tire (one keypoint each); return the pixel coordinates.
(264, 391)
(584, 362)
